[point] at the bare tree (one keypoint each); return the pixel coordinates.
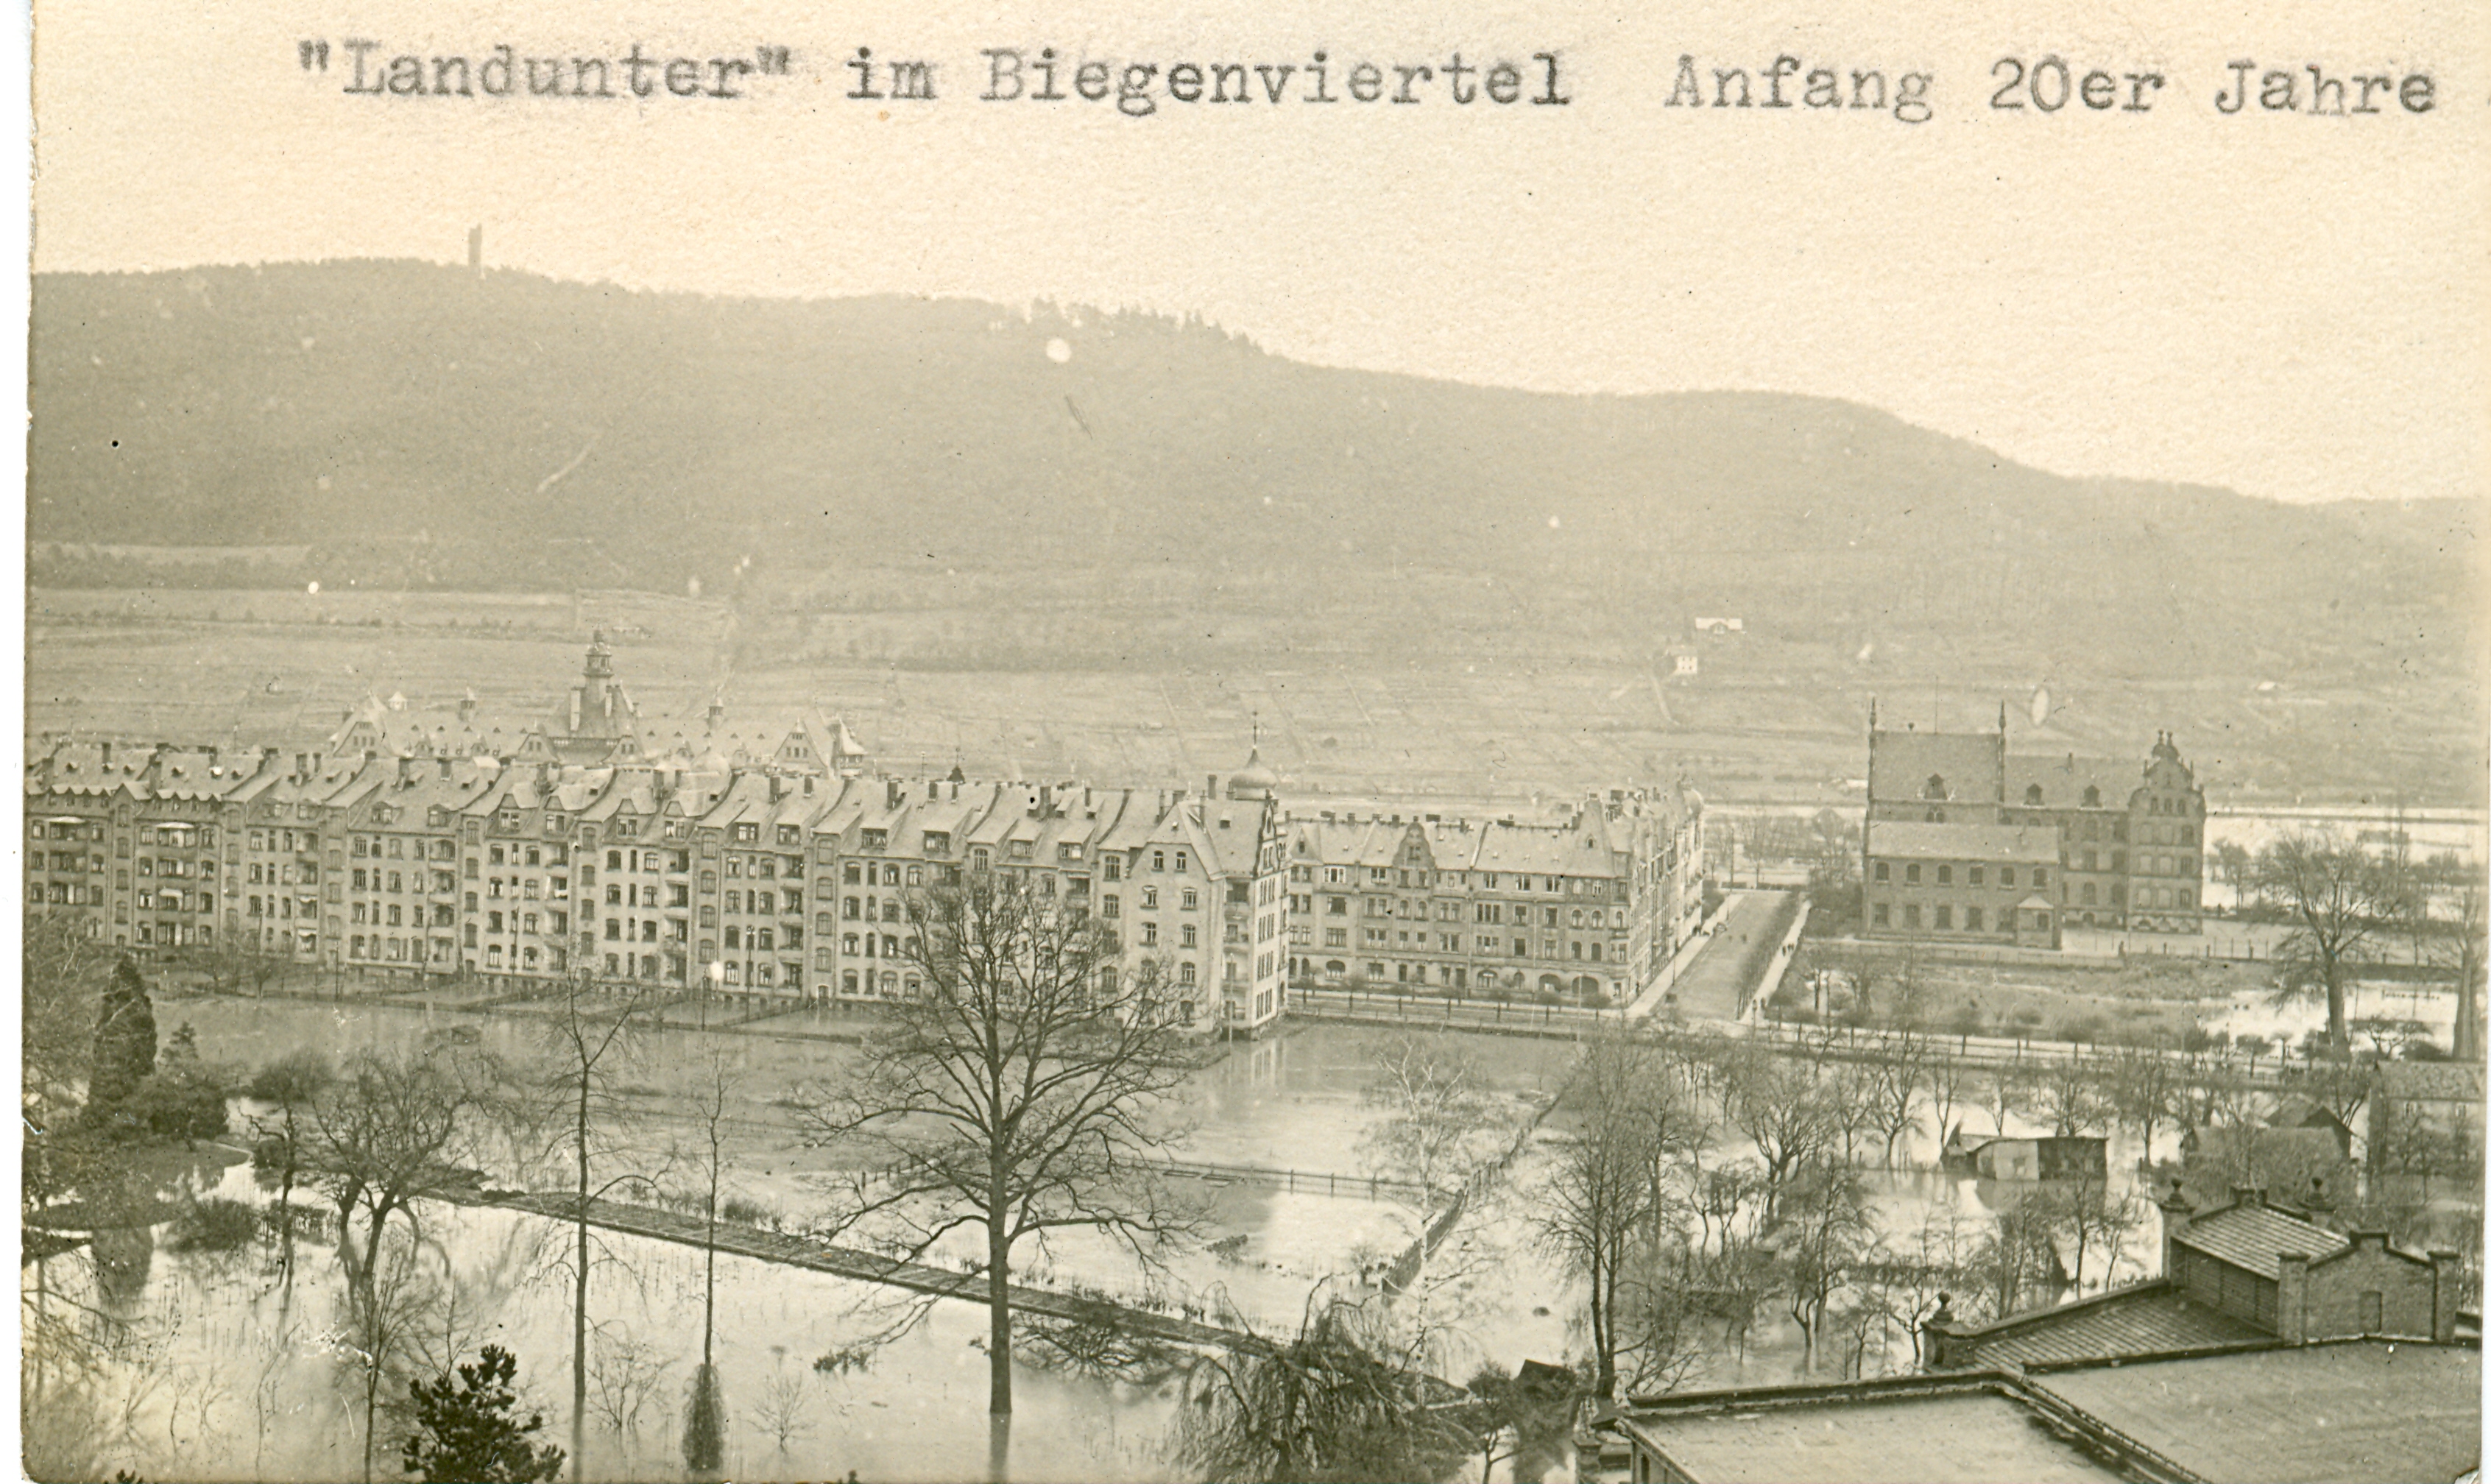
(2144, 1087)
(1778, 1104)
(627, 1373)
(2070, 1097)
(1825, 1230)
(2454, 941)
(1597, 1203)
(2094, 1217)
(2006, 1091)
(704, 1433)
(589, 1044)
(2015, 1258)
(295, 1083)
(1440, 1126)
(1948, 1077)
(2335, 895)
(1440, 1119)
(1343, 1399)
(1893, 1083)
(1019, 1092)
(388, 1311)
(783, 1411)
(386, 1134)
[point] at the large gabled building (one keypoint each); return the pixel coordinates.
(1589, 905)
(1965, 842)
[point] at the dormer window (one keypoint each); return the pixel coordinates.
(1935, 788)
(938, 842)
(789, 835)
(2092, 796)
(1070, 850)
(2033, 793)
(877, 840)
(1020, 849)
(748, 834)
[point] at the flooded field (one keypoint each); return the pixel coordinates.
(240, 1374)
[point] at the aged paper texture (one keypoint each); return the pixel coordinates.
(1243, 741)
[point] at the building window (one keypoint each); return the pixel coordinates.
(1945, 878)
(1877, 914)
(2006, 875)
(1946, 917)
(1972, 919)
(1911, 915)
(1882, 871)
(1911, 874)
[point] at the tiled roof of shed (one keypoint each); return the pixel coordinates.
(2145, 1318)
(2253, 1236)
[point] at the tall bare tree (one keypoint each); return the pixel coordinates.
(1596, 1204)
(705, 1425)
(1441, 1126)
(590, 1042)
(2336, 896)
(2447, 905)
(1896, 1078)
(1022, 1091)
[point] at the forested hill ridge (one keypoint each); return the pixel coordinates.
(429, 426)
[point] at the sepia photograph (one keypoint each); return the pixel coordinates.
(1386, 743)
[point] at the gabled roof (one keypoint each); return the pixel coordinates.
(1900, 765)
(2252, 1236)
(2139, 1319)
(2064, 779)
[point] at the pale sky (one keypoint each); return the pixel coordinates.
(2287, 305)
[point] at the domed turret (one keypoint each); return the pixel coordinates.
(1255, 780)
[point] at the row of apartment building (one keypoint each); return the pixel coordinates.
(790, 874)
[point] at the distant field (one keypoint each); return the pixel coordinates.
(1764, 722)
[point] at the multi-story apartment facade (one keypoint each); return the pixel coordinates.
(788, 870)
(1963, 841)
(1590, 905)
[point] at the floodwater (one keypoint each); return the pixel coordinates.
(254, 1378)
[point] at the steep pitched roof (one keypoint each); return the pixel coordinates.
(2064, 779)
(1900, 765)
